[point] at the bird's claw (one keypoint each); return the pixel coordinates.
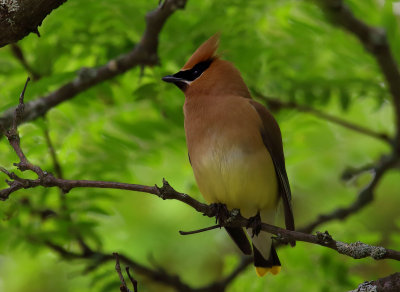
(221, 212)
(255, 224)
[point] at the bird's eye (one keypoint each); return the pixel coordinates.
(196, 71)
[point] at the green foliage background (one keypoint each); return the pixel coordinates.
(130, 129)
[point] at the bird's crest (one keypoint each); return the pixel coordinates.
(205, 52)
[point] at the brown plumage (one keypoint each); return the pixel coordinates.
(205, 52)
(235, 148)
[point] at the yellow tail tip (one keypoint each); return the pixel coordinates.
(275, 270)
(261, 271)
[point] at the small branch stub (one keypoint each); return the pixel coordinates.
(324, 237)
(166, 190)
(124, 287)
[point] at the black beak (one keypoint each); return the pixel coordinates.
(171, 79)
(176, 80)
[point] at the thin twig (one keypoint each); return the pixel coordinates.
(19, 111)
(52, 151)
(56, 165)
(276, 103)
(222, 284)
(14, 139)
(118, 269)
(352, 172)
(199, 230)
(123, 287)
(17, 52)
(133, 281)
(100, 258)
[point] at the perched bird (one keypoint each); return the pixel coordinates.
(235, 149)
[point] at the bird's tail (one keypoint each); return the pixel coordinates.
(263, 266)
(265, 256)
(239, 237)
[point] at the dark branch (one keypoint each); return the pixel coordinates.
(100, 258)
(143, 54)
(222, 284)
(124, 287)
(388, 284)
(365, 196)
(157, 275)
(357, 250)
(352, 172)
(199, 230)
(14, 140)
(133, 281)
(20, 18)
(17, 52)
(374, 41)
(121, 277)
(19, 111)
(52, 151)
(277, 104)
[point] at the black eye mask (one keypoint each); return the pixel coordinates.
(195, 72)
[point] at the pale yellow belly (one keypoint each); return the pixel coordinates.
(239, 179)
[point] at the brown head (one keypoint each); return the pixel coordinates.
(206, 73)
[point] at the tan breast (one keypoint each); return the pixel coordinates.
(230, 162)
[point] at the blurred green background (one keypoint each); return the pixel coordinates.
(130, 129)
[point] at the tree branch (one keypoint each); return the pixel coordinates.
(143, 54)
(52, 151)
(374, 41)
(388, 284)
(124, 287)
(277, 104)
(20, 18)
(355, 250)
(364, 197)
(222, 284)
(158, 275)
(352, 172)
(17, 52)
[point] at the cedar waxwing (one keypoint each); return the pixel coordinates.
(235, 149)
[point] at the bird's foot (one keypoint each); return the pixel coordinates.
(255, 224)
(221, 212)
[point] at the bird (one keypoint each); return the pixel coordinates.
(235, 150)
